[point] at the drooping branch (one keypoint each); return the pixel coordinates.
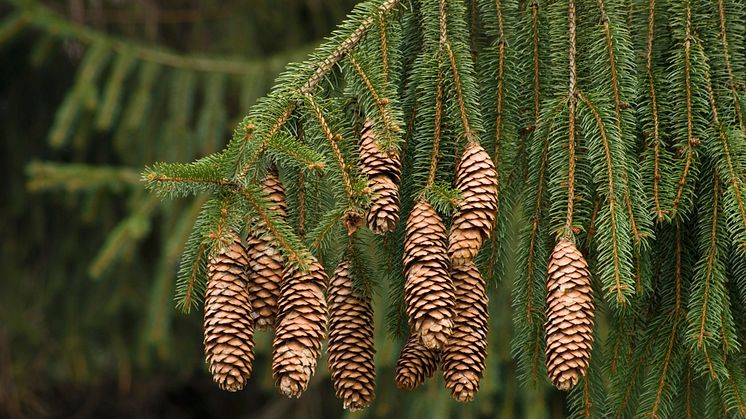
(573, 98)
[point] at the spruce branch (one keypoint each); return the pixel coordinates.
(620, 289)
(390, 125)
(690, 139)
(535, 56)
(333, 139)
(728, 66)
(572, 104)
(286, 103)
(437, 130)
(654, 111)
(292, 248)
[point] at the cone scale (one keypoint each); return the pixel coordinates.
(416, 363)
(266, 263)
(463, 359)
(384, 174)
(570, 313)
(300, 330)
(228, 324)
(476, 179)
(351, 347)
(428, 289)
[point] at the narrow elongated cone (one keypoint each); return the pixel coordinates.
(428, 289)
(464, 355)
(416, 364)
(476, 179)
(384, 172)
(301, 328)
(570, 311)
(229, 328)
(351, 347)
(266, 263)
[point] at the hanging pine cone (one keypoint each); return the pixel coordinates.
(301, 327)
(476, 179)
(384, 172)
(265, 261)
(428, 289)
(464, 355)
(229, 328)
(416, 364)
(569, 327)
(351, 346)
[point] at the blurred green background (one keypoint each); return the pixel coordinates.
(91, 91)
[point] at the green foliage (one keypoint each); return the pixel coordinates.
(617, 124)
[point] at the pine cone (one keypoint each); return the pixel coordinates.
(428, 290)
(265, 261)
(466, 350)
(351, 346)
(476, 178)
(229, 328)
(569, 327)
(416, 363)
(383, 171)
(301, 327)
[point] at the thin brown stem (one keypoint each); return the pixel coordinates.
(689, 113)
(573, 93)
(654, 110)
(729, 66)
(535, 38)
(710, 266)
(437, 132)
(614, 229)
(384, 48)
(332, 139)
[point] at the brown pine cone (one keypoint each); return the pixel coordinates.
(301, 328)
(229, 328)
(351, 347)
(476, 179)
(266, 263)
(569, 326)
(383, 171)
(464, 355)
(428, 289)
(416, 364)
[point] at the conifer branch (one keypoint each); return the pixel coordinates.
(437, 132)
(677, 270)
(614, 73)
(709, 268)
(301, 205)
(573, 98)
(536, 68)
(288, 108)
(664, 373)
(616, 253)
(384, 48)
(188, 299)
(689, 113)
(346, 46)
(471, 136)
(283, 236)
(654, 110)
(389, 125)
(321, 70)
(729, 66)
(332, 139)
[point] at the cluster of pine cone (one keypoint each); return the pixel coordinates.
(250, 286)
(445, 296)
